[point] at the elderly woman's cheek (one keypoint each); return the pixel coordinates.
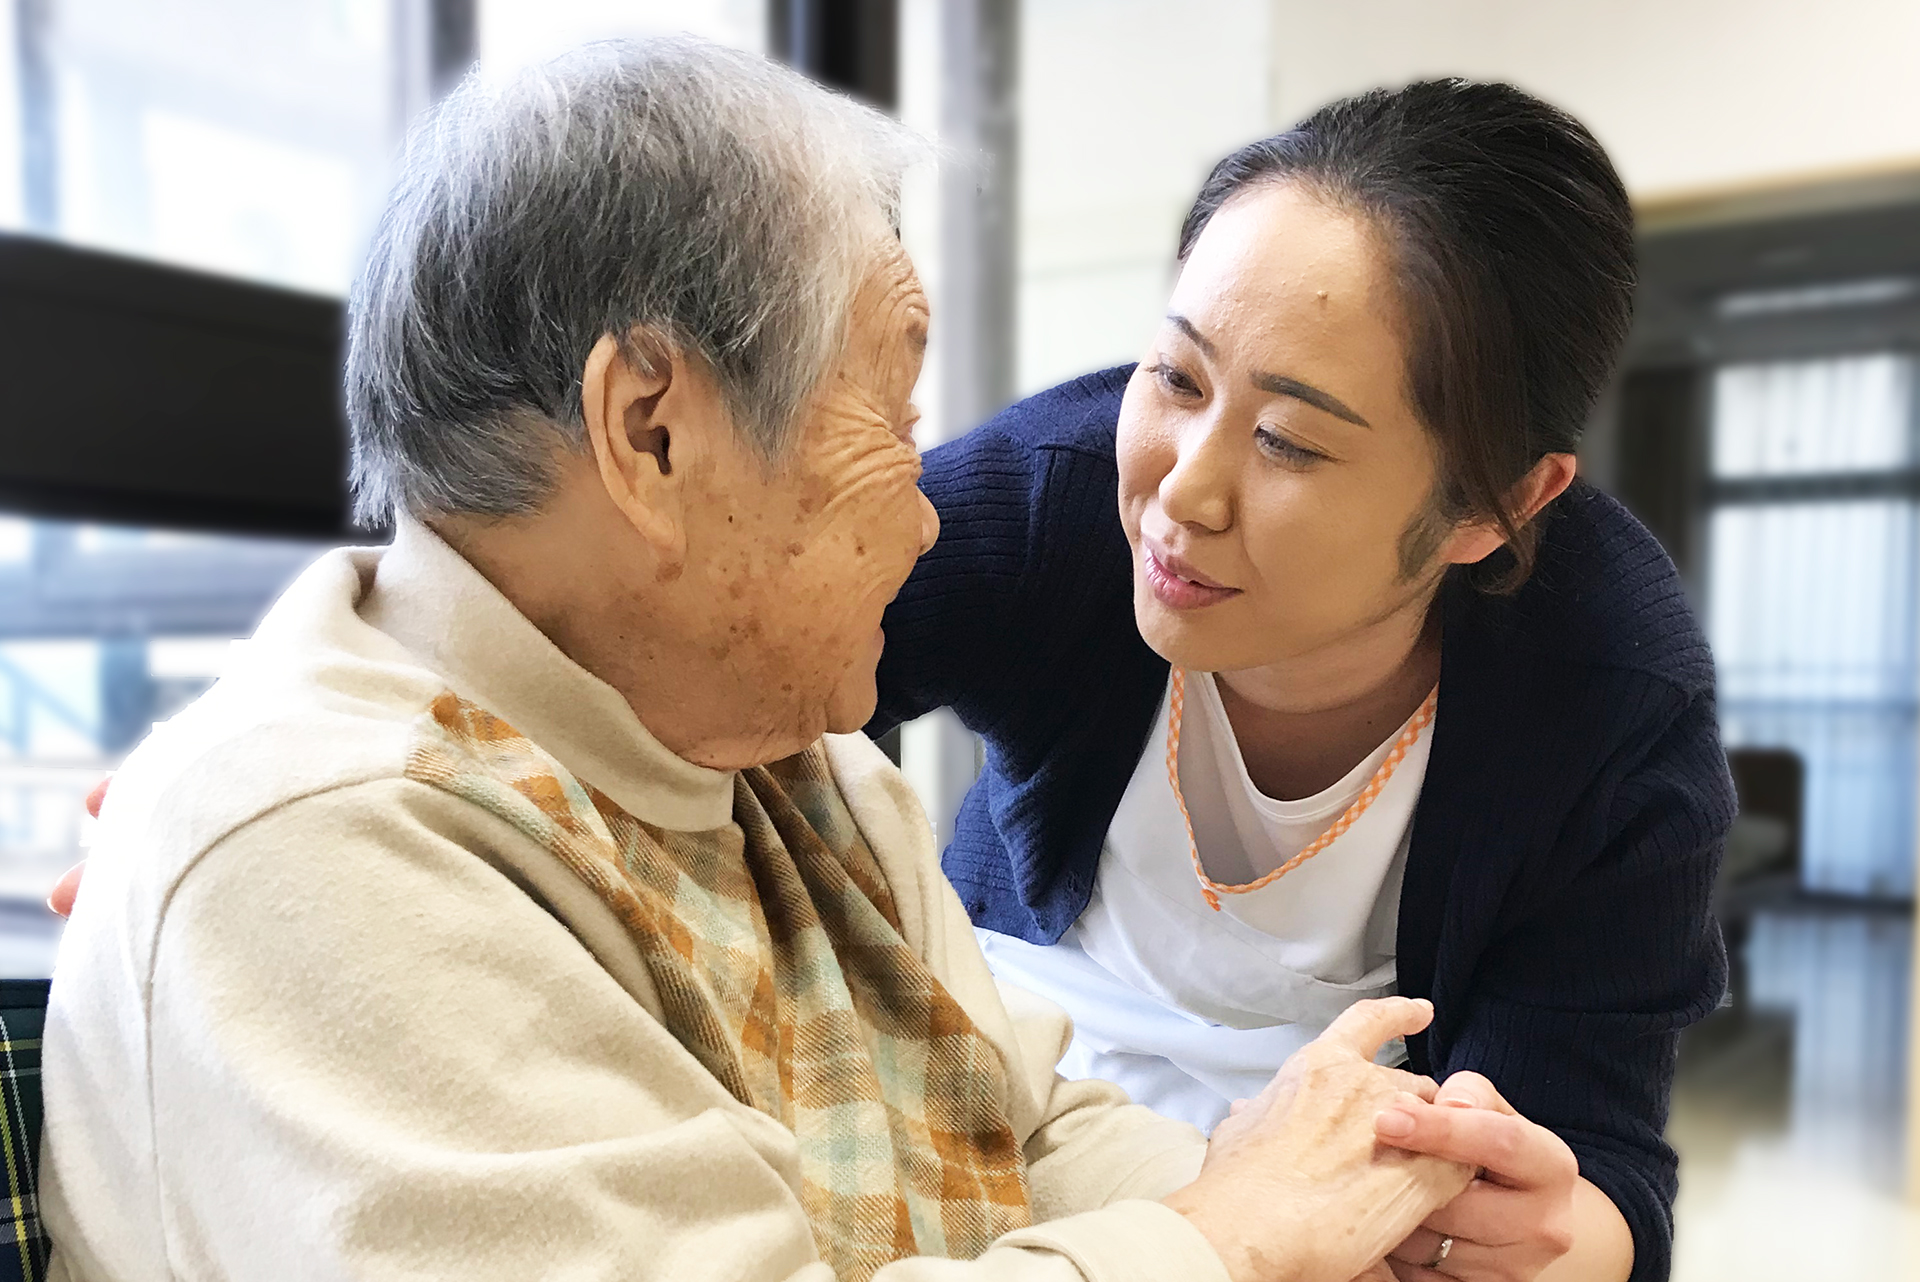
(891, 538)
(865, 541)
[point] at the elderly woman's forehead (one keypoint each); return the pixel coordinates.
(890, 289)
(889, 263)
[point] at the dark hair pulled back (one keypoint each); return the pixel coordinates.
(1512, 240)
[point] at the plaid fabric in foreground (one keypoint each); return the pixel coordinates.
(23, 1014)
(775, 946)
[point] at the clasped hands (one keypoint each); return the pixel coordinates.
(1341, 1169)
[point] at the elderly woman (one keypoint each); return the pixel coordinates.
(1308, 672)
(515, 908)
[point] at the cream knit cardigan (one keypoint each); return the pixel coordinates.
(313, 1020)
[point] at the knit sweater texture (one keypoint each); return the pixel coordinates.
(1555, 904)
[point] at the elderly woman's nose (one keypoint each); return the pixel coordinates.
(1198, 489)
(929, 524)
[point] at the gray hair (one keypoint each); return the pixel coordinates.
(720, 204)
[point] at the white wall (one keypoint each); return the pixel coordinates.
(518, 33)
(1684, 93)
(1125, 105)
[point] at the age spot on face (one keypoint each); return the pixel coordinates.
(827, 539)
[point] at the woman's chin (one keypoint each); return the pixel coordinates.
(1177, 636)
(1212, 640)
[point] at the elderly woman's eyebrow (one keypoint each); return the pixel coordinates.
(1278, 384)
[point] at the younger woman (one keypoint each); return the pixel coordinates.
(1309, 672)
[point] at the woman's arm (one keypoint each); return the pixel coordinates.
(1029, 535)
(1577, 1006)
(946, 630)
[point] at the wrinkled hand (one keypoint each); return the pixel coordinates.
(1517, 1217)
(1295, 1187)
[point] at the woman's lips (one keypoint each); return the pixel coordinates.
(1182, 591)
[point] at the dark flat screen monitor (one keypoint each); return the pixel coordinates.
(137, 393)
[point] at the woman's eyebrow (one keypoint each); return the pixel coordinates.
(1278, 384)
(1198, 339)
(1281, 385)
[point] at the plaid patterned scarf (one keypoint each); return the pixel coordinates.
(776, 949)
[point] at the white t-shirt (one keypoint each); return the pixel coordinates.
(1189, 1008)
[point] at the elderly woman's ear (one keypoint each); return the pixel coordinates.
(645, 426)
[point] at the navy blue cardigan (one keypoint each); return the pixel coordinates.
(1555, 906)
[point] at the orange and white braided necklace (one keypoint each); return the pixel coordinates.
(1176, 706)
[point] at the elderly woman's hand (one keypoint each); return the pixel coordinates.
(1295, 1187)
(1517, 1218)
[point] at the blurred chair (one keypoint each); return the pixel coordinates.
(1761, 867)
(1764, 844)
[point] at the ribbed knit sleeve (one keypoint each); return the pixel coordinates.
(1577, 1008)
(1020, 619)
(950, 632)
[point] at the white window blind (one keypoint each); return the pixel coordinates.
(1812, 599)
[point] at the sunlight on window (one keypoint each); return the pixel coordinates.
(16, 539)
(248, 205)
(1812, 602)
(252, 139)
(1795, 417)
(53, 713)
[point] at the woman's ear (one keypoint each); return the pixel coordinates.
(1544, 482)
(628, 413)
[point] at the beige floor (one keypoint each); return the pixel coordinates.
(1788, 1113)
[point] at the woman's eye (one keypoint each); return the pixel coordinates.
(1285, 450)
(1175, 380)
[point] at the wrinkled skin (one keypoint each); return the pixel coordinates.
(800, 565)
(735, 603)
(1295, 1187)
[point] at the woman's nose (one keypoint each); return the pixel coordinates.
(1198, 490)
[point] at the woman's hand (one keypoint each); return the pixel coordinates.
(1295, 1187)
(62, 897)
(1525, 1211)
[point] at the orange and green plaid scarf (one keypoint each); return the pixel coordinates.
(776, 950)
